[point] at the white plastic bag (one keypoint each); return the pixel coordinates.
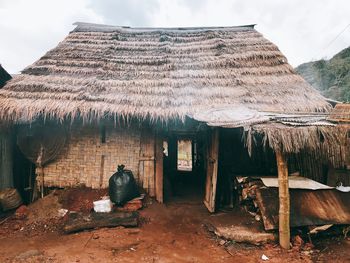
(103, 206)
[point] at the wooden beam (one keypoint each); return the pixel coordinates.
(159, 169)
(284, 200)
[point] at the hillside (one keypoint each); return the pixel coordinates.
(331, 77)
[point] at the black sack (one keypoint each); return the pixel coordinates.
(122, 186)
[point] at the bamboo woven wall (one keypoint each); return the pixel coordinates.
(86, 160)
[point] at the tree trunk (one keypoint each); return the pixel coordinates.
(284, 201)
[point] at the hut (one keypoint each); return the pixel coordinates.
(220, 99)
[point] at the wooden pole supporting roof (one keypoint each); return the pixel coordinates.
(284, 201)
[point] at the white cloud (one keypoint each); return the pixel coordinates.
(30, 28)
(302, 29)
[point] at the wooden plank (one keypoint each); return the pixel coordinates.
(212, 170)
(318, 211)
(284, 201)
(159, 169)
(147, 162)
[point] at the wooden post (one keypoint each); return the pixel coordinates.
(284, 201)
(159, 169)
(102, 167)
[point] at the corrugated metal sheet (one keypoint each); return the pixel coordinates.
(296, 182)
(233, 117)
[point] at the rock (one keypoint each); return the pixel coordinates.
(95, 236)
(222, 242)
(22, 212)
(28, 254)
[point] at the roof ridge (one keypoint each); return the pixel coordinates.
(84, 27)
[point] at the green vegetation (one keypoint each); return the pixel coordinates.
(331, 77)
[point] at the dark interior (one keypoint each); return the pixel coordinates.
(183, 182)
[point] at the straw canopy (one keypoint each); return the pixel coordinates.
(101, 71)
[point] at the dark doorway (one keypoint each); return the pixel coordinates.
(184, 173)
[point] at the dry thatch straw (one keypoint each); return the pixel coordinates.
(341, 113)
(325, 144)
(158, 74)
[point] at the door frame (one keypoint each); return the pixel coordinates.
(212, 170)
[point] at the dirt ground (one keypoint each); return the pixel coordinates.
(176, 232)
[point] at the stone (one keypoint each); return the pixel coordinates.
(22, 212)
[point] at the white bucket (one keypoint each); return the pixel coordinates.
(103, 206)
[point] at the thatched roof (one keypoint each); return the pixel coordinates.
(340, 113)
(4, 76)
(157, 73)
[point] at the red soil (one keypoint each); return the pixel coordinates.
(169, 233)
(81, 199)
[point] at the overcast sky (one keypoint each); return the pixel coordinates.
(303, 29)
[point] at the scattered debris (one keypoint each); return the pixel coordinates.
(44, 209)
